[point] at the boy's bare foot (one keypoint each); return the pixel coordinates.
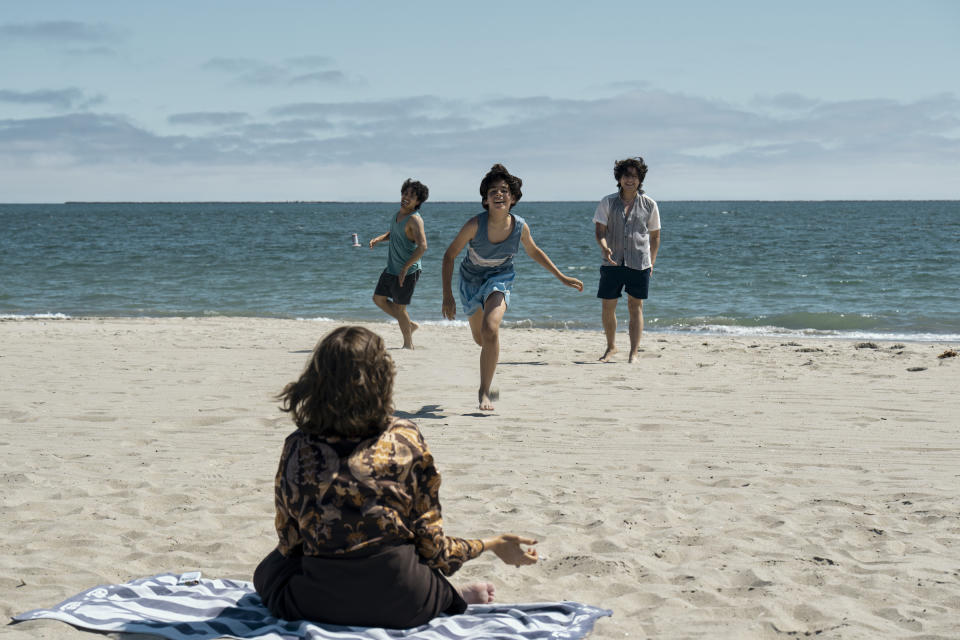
(477, 592)
(608, 354)
(408, 338)
(633, 357)
(486, 399)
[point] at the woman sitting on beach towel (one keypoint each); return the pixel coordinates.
(358, 513)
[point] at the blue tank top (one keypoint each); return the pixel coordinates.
(401, 247)
(484, 258)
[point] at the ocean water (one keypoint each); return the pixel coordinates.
(869, 270)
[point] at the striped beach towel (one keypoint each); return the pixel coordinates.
(206, 609)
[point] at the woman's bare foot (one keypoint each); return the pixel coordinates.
(477, 592)
(608, 354)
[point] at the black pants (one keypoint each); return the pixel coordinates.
(391, 588)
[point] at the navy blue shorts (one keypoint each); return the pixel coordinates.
(614, 279)
(389, 285)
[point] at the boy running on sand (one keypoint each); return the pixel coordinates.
(486, 272)
(408, 242)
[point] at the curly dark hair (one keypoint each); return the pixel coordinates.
(499, 172)
(621, 166)
(419, 189)
(346, 388)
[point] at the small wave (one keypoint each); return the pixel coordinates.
(901, 337)
(35, 316)
(798, 321)
(445, 323)
(771, 331)
(433, 323)
(854, 326)
(548, 323)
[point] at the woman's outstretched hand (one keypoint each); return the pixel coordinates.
(508, 548)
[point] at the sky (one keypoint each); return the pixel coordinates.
(341, 101)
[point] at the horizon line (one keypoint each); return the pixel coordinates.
(75, 202)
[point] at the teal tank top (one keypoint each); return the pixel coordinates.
(401, 248)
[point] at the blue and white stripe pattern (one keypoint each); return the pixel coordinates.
(486, 263)
(232, 609)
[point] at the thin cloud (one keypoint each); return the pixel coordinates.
(412, 126)
(230, 65)
(93, 52)
(55, 98)
(293, 130)
(372, 110)
(620, 86)
(83, 137)
(208, 118)
(290, 71)
(320, 77)
(263, 75)
(61, 31)
(309, 61)
(786, 101)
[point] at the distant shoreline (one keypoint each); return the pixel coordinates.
(76, 202)
(210, 202)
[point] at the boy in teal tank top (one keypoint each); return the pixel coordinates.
(408, 242)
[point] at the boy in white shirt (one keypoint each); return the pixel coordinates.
(627, 228)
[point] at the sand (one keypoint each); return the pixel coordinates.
(718, 488)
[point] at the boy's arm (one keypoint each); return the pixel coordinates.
(654, 247)
(600, 217)
(540, 256)
(600, 231)
(469, 229)
(374, 241)
(420, 237)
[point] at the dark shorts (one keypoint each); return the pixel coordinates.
(614, 279)
(388, 285)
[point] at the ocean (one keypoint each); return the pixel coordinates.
(846, 269)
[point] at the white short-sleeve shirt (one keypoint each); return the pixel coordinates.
(629, 237)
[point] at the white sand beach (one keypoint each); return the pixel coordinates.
(719, 488)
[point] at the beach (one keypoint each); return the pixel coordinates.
(720, 487)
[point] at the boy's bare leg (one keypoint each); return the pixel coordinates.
(609, 319)
(635, 305)
(407, 326)
(493, 309)
(477, 592)
(476, 326)
(399, 313)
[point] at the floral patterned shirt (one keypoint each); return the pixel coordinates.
(339, 496)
